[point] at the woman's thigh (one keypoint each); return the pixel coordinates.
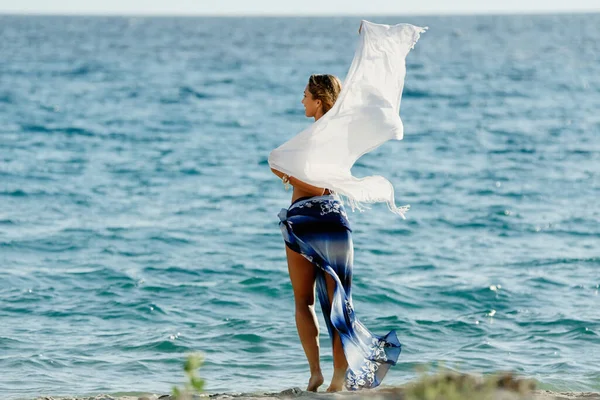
(303, 277)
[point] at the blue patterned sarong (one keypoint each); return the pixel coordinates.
(318, 228)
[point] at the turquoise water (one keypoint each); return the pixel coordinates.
(138, 215)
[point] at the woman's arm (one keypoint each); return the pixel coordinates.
(317, 191)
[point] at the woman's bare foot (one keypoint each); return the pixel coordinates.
(314, 382)
(337, 382)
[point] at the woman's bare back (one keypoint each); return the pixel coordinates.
(299, 192)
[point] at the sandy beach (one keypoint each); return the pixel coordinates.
(384, 394)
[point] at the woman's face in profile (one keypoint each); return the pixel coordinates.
(311, 106)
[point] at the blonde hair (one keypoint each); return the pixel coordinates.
(325, 88)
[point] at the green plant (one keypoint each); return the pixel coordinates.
(448, 385)
(194, 383)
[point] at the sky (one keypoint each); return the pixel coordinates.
(290, 7)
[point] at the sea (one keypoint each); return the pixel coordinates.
(138, 213)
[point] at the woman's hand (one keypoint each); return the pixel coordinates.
(278, 173)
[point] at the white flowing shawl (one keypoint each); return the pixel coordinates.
(365, 115)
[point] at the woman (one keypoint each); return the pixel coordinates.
(320, 253)
(317, 162)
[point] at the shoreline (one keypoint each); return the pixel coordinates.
(384, 394)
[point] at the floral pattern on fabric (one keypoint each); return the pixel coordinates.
(378, 351)
(365, 378)
(332, 206)
(327, 206)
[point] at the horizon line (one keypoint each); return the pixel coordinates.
(284, 15)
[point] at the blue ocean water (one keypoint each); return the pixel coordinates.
(138, 215)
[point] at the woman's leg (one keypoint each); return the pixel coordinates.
(340, 365)
(336, 248)
(303, 275)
